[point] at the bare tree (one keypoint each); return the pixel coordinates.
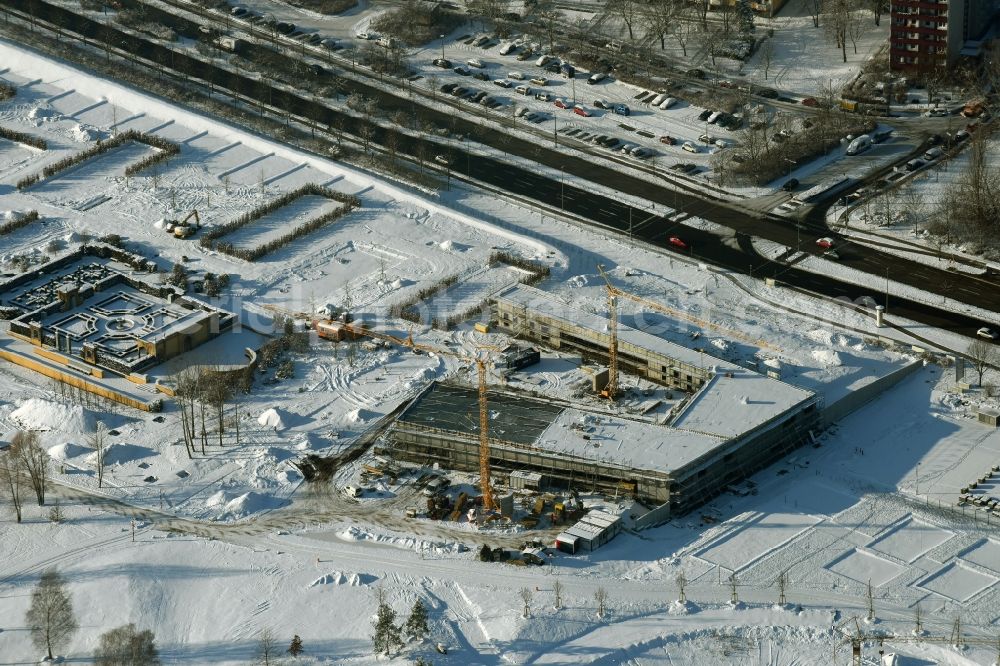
(34, 460)
(982, 355)
(267, 647)
(733, 596)
(871, 602)
(526, 596)
(682, 582)
(856, 24)
(549, 17)
(217, 392)
(10, 481)
(127, 646)
(782, 587)
(877, 7)
(50, 617)
(815, 9)
(838, 17)
(766, 55)
(97, 441)
(627, 10)
(557, 591)
(601, 598)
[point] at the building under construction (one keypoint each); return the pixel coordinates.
(735, 421)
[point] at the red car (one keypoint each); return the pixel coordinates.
(677, 242)
(580, 111)
(826, 242)
(810, 101)
(561, 104)
(669, 140)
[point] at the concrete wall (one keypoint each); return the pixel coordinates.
(862, 396)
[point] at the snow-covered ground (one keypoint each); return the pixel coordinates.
(233, 541)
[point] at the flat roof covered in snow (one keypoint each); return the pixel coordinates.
(732, 405)
(621, 441)
(551, 306)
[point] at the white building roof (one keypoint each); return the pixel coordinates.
(622, 441)
(551, 306)
(725, 406)
(731, 405)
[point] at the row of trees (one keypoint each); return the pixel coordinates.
(24, 468)
(18, 221)
(23, 137)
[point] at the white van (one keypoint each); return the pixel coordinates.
(659, 99)
(667, 103)
(522, 90)
(352, 491)
(506, 48)
(543, 60)
(517, 76)
(859, 145)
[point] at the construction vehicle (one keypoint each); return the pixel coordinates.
(185, 228)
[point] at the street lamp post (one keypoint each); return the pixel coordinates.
(441, 37)
(887, 289)
(562, 189)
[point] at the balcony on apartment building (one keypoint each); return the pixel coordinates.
(919, 7)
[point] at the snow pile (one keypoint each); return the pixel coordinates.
(269, 469)
(679, 607)
(772, 363)
(38, 414)
(160, 223)
(340, 578)
(354, 533)
(43, 114)
(719, 343)
(68, 450)
(228, 506)
(360, 416)
(270, 418)
(821, 335)
(120, 454)
(827, 357)
(446, 245)
(308, 442)
(84, 134)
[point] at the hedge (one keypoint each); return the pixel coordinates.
(7, 91)
(404, 310)
(18, 222)
(209, 238)
(169, 149)
(537, 272)
(21, 137)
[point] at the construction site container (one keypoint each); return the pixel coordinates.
(521, 480)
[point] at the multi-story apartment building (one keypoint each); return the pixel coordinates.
(926, 34)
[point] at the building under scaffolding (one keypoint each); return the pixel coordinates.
(677, 468)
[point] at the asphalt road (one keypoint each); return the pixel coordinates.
(580, 200)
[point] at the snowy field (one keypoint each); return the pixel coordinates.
(239, 543)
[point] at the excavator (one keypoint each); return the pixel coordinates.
(185, 228)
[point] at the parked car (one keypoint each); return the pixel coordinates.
(522, 90)
(696, 73)
(622, 110)
(961, 135)
(543, 60)
(517, 76)
(462, 70)
(914, 164)
(442, 159)
(561, 104)
(667, 103)
(720, 144)
(669, 140)
(474, 62)
(706, 138)
(704, 114)
(601, 104)
(987, 332)
(677, 242)
(448, 87)
(543, 96)
(503, 83)
(769, 93)
(580, 111)
(553, 67)
(826, 242)
(713, 117)
(539, 81)
(482, 41)
(442, 63)
(690, 147)
(507, 48)
(790, 185)
(482, 76)
(597, 77)
(568, 70)
(810, 101)
(238, 11)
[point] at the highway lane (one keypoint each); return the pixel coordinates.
(577, 199)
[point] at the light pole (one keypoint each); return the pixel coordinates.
(441, 37)
(562, 189)
(887, 289)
